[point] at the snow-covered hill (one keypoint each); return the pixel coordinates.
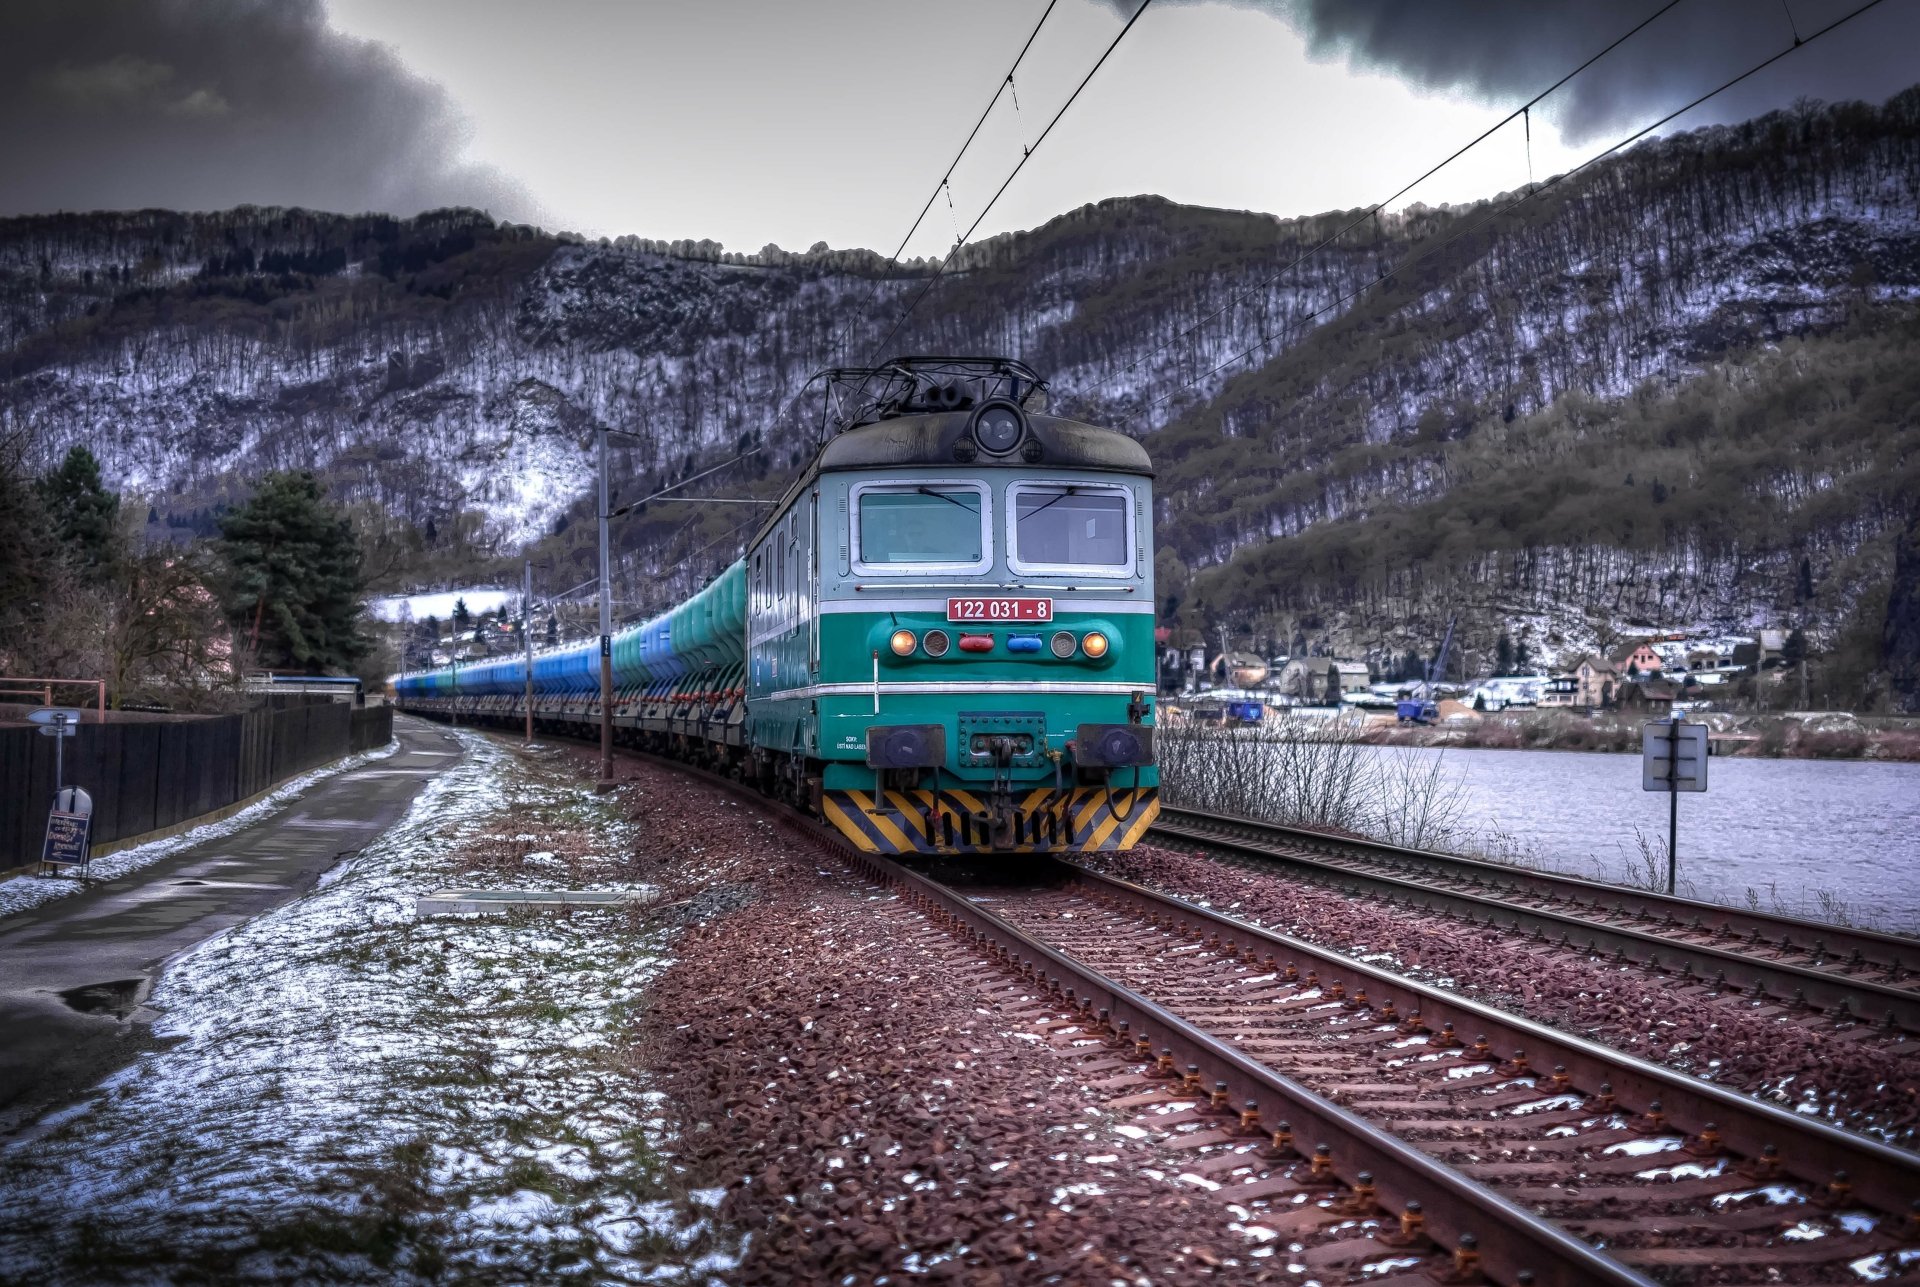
(447, 364)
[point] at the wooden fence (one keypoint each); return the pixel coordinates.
(149, 776)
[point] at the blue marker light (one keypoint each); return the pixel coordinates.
(1023, 643)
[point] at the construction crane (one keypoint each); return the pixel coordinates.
(1421, 708)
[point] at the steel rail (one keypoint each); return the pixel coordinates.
(1511, 1241)
(1812, 1151)
(1497, 890)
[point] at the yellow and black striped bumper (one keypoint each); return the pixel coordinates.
(1076, 819)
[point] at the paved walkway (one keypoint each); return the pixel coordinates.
(74, 971)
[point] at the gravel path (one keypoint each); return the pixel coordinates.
(878, 1102)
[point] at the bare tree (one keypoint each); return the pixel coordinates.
(165, 639)
(1310, 774)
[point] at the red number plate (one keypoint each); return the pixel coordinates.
(999, 609)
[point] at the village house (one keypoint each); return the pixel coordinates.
(1653, 697)
(1596, 680)
(1560, 691)
(1354, 677)
(1323, 679)
(1635, 659)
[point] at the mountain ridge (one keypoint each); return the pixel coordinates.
(448, 365)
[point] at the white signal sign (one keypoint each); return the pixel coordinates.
(1673, 756)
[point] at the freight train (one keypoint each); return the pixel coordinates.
(941, 641)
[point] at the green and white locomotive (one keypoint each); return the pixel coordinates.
(950, 620)
(941, 641)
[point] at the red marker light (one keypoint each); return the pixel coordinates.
(976, 643)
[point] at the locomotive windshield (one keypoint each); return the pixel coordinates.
(920, 525)
(1061, 525)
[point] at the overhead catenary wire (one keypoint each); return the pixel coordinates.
(1495, 212)
(717, 500)
(1005, 82)
(1025, 156)
(674, 487)
(839, 341)
(1523, 113)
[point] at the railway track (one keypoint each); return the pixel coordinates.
(1673, 1176)
(1842, 972)
(1391, 1132)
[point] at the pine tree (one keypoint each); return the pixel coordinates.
(293, 581)
(26, 562)
(84, 515)
(1503, 655)
(462, 619)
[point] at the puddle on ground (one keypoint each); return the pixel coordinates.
(117, 998)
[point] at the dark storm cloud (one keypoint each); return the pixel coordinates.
(1506, 51)
(112, 104)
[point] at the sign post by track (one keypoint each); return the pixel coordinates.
(70, 821)
(1673, 758)
(58, 723)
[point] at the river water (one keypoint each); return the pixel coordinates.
(1785, 829)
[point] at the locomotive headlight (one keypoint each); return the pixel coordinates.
(936, 643)
(1064, 643)
(998, 427)
(1094, 644)
(903, 643)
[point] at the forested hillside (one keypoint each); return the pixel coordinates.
(1676, 388)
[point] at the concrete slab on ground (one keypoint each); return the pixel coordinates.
(443, 901)
(75, 971)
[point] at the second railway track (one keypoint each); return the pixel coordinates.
(1674, 1178)
(1847, 973)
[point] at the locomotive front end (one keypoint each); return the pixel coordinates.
(982, 669)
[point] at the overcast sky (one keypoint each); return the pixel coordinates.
(756, 121)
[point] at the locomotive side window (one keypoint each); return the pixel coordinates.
(901, 527)
(1070, 527)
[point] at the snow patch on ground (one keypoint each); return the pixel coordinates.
(357, 1094)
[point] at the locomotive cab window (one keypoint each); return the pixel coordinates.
(906, 527)
(1070, 527)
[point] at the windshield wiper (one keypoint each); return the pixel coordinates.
(928, 491)
(1055, 501)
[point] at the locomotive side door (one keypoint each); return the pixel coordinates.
(813, 537)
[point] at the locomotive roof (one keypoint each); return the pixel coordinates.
(930, 439)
